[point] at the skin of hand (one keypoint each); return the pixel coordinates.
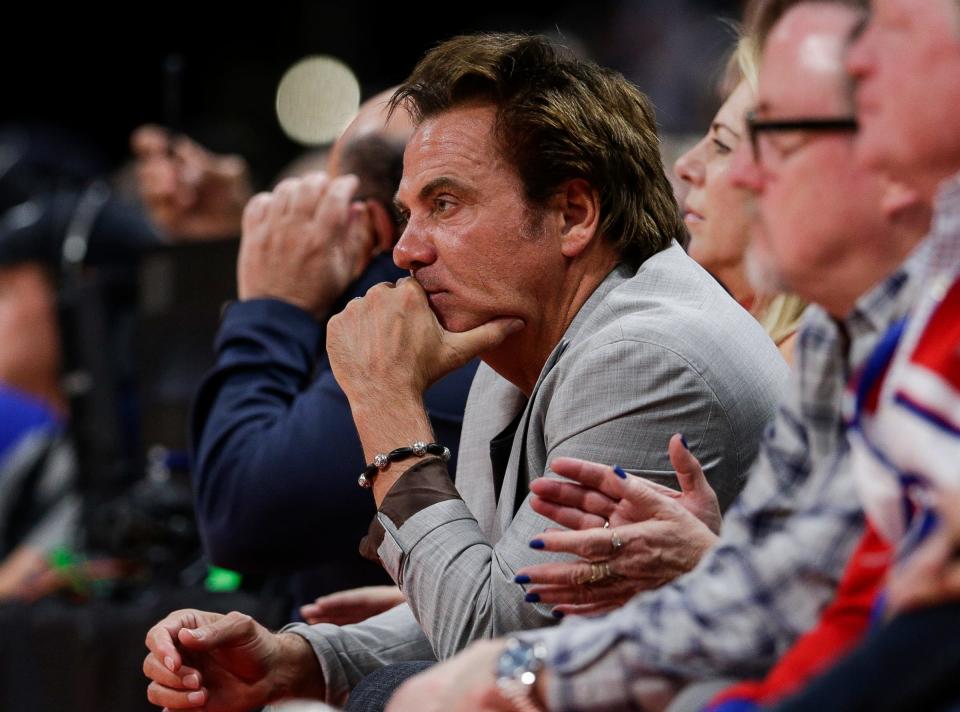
(218, 663)
(665, 533)
(931, 576)
(385, 349)
(305, 242)
(352, 606)
(464, 683)
(19, 570)
(189, 192)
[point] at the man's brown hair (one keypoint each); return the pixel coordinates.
(559, 118)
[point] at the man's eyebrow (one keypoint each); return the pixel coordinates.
(430, 187)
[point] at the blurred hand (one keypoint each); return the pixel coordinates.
(214, 662)
(655, 533)
(352, 606)
(189, 192)
(27, 575)
(931, 576)
(305, 242)
(20, 571)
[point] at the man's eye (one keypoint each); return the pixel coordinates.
(442, 205)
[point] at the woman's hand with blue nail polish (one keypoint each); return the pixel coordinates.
(655, 534)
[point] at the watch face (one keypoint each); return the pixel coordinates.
(519, 661)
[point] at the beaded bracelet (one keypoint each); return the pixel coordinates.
(381, 461)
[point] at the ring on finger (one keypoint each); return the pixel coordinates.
(615, 540)
(599, 572)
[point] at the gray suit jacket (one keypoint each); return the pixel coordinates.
(651, 353)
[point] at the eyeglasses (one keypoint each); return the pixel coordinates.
(827, 124)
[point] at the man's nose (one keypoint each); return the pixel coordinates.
(745, 171)
(859, 57)
(415, 248)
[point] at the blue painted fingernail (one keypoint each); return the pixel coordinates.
(532, 598)
(620, 472)
(537, 544)
(558, 614)
(684, 441)
(522, 578)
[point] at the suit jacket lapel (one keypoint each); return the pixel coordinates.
(525, 452)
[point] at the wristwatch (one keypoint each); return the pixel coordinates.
(517, 671)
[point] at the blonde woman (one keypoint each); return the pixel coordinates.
(717, 214)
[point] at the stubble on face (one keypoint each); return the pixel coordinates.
(759, 263)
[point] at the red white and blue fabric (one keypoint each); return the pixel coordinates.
(905, 427)
(905, 433)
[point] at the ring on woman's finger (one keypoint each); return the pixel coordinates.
(606, 523)
(615, 540)
(600, 572)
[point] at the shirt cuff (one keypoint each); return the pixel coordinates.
(423, 485)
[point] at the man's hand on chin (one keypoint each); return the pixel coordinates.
(386, 349)
(389, 343)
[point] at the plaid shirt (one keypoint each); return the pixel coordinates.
(781, 552)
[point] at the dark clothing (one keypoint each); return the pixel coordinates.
(374, 691)
(913, 663)
(276, 453)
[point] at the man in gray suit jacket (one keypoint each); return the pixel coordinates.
(541, 233)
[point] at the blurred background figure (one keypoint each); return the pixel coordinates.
(96, 523)
(717, 213)
(276, 455)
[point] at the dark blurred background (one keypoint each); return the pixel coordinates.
(99, 71)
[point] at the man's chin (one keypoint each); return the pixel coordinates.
(454, 322)
(869, 152)
(762, 272)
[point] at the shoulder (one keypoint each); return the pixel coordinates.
(673, 309)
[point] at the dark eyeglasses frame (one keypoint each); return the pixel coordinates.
(819, 124)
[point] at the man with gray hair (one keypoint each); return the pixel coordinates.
(906, 437)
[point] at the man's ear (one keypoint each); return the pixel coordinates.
(902, 205)
(579, 206)
(384, 228)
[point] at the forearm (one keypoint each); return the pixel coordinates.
(459, 585)
(384, 425)
(297, 672)
(346, 654)
(732, 616)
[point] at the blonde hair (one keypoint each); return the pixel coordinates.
(779, 315)
(743, 64)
